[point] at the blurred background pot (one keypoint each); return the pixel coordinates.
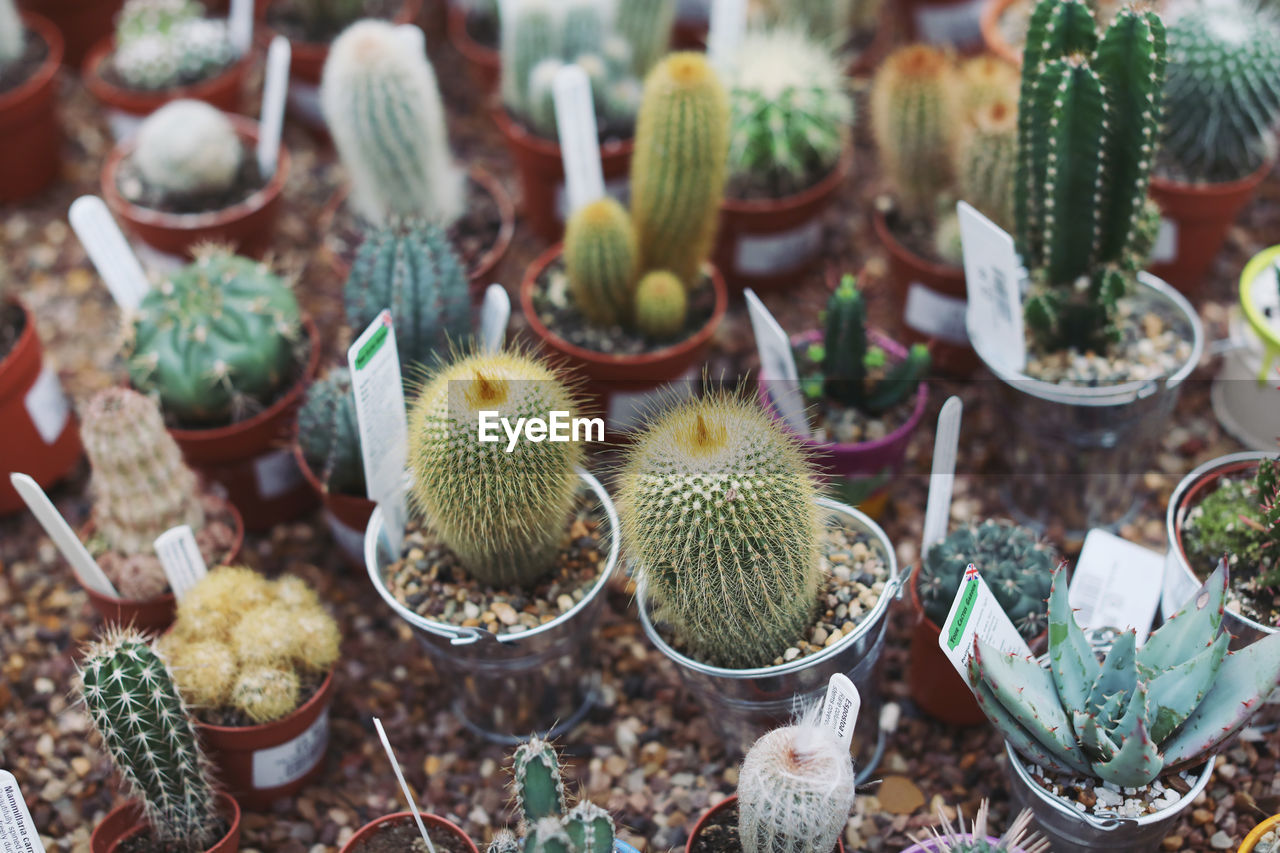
(126, 820)
(1246, 392)
(347, 516)
(1251, 840)
(436, 827)
(715, 814)
(81, 23)
(30, 133)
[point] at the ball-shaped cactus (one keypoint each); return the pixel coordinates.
(601, 256)
(913, 117)
(983, 80)
(265, 693)
(661, 306)
(188, 148)
(329, 434)
(206, 670)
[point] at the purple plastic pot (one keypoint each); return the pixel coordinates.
(932, 846)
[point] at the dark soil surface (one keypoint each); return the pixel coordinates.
(134, 188)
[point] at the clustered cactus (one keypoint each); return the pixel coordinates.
(1017, 837)
(383, 109)
(188, 149)
(547, 822)
(144, 725)
(1240, 518)
(329, 434)
(166, 43)
(717, 509)
(12, 33)
(1222, 92)
(218, 340)
(245, 643)
(1138, 714)
(1015, 564)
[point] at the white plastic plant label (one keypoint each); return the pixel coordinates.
(276, 473)
(87, 570)
(840, 708)
(47, 405)
(942, 478)
(1116, 584)
(976, 613)
(1166, 247)
(935, 314)
(17, 831)
(495, 313)
(993, 276)
(380, 413)
(777, 364)
(727, 27)
(290, 761)
(181, 559)
(579, 137)
(109, 251)
(956, 24)
(773, 254)
(274, 90)
(240, 25)
(404, 786)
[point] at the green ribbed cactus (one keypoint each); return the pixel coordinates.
(600, 257)
(1140, 713)
(135, 707)
(503, 514)
(549, 825)
(531, 34)
(913, 121)
(329, 434)
(383, 109)
(661, 306)
(12, 33)
(1088, 120)
(538, 785)
(217, 341)
(165, 43)
(986, 161)
(1222, 93)
(590, 828)
(188, 148)
(856, 373)
(679, 166)
(1015, 564)
(1018, 837)
(412, 269)
(717, 509)
(646, 25)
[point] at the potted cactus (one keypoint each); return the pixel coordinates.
(224, 348)
(628, 301)
(501, 567)
(383, 110)
(857, 29)
(1015, 564)
(1246, 390)
(190, 176)
(141, 487)
(1265, 837)
(31, 51)
(255, 659)
(473, 27)
(1094, 744)
(161, 51)
(1218, 139)
(1017, 839)
(399, 831)
(789, 152)
(144, 724)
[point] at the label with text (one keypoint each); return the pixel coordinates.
(840, 709)
(181, 559)
(993, 277)
(976, 613)
(289, 762)
(935, 314)
(1116, 584)
(47, 406)
(17, 831)
(276, 474)
(380, 413)
(773, 254)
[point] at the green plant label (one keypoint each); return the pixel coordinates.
(17, 831)
(975, 612)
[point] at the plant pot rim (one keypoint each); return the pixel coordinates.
(142, 101)
(263, 32)
(247, 130)
(517, 134)
(1268, 334)
(427, 818)
(903, 253)
(27, 338)
(226, 804)
(991, 34)
(47, 70)
(728, 801)
(353, 501)
(471, 50)
(322, 696)
(793, 201)
(1255, 835)
(1214, 188)
(892, 588)
(672, 352)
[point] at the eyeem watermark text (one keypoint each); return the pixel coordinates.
(560, 426)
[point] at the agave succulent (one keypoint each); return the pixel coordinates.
(1138, 714)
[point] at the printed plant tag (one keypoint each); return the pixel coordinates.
(495, 313)
(47, 405)
(942, 479)
(993, 276)
(274, 90)
(180, 556)
(384, 429)
(840, 708)
(109, 251)
(976, 613)
(17, 831)
(290, 761)
(579, 137)
(1116, 584)
(777, 364)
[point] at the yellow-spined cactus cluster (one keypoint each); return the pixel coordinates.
(241, 641)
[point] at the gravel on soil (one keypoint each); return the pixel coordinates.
(1106, 799)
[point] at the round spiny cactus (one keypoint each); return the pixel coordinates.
(164, 43)
(205, 671)
(212, 607)
(265, 635)
(974, 840)
(329, 434)
(661, 307)
(265, 693)
(600, 257)
(188, 148)
(717, 508)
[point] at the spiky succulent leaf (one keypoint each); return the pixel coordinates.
(1071, 659)
(1014, 732)
(1119, 673)
(1138, 760)
(1174, 694)
(1187, 632)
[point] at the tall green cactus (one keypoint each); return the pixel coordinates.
(549, 826)
(600, 256)
(646, 25)
(383, 109)
(986, 161)
(329, 434)
(536, 778)
(412, 269)
(135, 707)
(913, 120)
(678, 169)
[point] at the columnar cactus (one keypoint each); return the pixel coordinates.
(503, 514)
(412, 269)
(216, 341)
(986, 79)
(646, 25)
(1139, 714)
(12, 33)
(678, 169)
(716, 503)
(136, 709)
(1088, 121)
(986, 160)
(1018, 837)
(383, 109)
(188, 148)
(600, 256)
(548, 825)
(329, 434)
(164, 43)
(539, 788)
(661, 307)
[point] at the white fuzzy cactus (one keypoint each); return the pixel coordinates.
(383, 108)
(12, 38)
(187, 148)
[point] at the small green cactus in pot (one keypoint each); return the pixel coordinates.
(1018, 838)
(161, 44)
(547, 823)
(329, 434)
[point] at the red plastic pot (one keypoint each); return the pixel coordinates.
(934, 684)
(40, 434)
(261, 764)
(544, 201)
(346, 515)
(247, 226)
(251, 458)
(81, 23)
(931, 299)
(955, 23)
(434, 824)
(30, 134)
(767, 243)
(714, 814)
(484, 63)
(127, 821)
(1200, 214)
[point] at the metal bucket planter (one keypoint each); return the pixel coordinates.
(745, 703)
(510, 686)
(1075, 453)
(1071, 831)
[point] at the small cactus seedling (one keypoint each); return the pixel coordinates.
(330, 435)
(188, 148)
(547, 822)
(661, 307)
(164, 43)
(1018, 837)
(600, 256)
(12, 33)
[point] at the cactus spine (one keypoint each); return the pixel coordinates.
(187, 148)
(1018, 837)
(678, 169)
(716, 504)
(135, 707)
(12, 33)
(661, 307)
(600, 256)
(986, 161)
(503, 514)
(383, 108)
(330, 435)
(912, 117)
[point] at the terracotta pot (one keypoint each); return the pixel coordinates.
(1251, 840)
(544, 201)
(616, 385)
(484, 63)
(81, 23)
(1198, 215)
(931, 299)
(767, 243)
(714, 813)
(346, 515)
(40, 434)
(993, 36)
(30, 134)
(434, 824)
(126, 821)
(251, 458)
(248, 226)
(956, 23)
(261, 764)
(934, 683)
